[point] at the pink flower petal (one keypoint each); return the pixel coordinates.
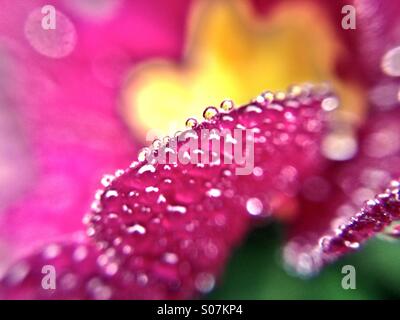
(338, 216)
(174, 225)
(63, 85)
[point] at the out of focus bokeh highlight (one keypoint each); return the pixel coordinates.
(115, 74)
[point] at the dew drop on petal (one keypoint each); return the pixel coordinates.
(391, 62)
(53, 43)
(204, 282)
(191, 123)
(106, 180)
(294, 90)
(339, 146)
(258, 172)
(157, 143)
(385, 95)
(170, 258)
(80, 253)
(17, 273)
(210, 112)
(280, 96)
(99, 290)
(51, 251)
(143, 154)
(136, 228)
(254, 206)
(268, 96)
(215, 193)
(227, 105)
(330, 103)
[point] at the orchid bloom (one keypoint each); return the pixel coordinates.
(165, 231)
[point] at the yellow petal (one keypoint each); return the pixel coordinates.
(230, 54)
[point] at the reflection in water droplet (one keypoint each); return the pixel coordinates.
(52, 43)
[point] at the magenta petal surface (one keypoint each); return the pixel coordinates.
(60, 90)
(173, 226)
(329, 227)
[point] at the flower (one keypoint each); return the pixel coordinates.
(166, 230)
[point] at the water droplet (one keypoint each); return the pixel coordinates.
(254, 206)
(215, 193)
(268, 96)
(51, 251)
(111, 268)
(170, 258)
(80, 253)
(205, 282)
(111, 194)
(136, 228)
(151, 189)
(390, 63)
(258, 172)
(280, 96)
(17, 273)
(143, 154)
(106, 180)
(191, 123)
(146, 168)
(210, 112)
(330, 103)
(142, 279)
(179, 209)
(339, 146)
(90, 232)
(227, 105)
(99, 290)
(157, 144)
(385, 95)
(69, 281)
(57, 42)
(294, 90)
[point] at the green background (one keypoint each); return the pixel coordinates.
(256, 271)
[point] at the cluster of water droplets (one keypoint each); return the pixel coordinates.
(177, 212)
(376, 216)
(168, 228)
